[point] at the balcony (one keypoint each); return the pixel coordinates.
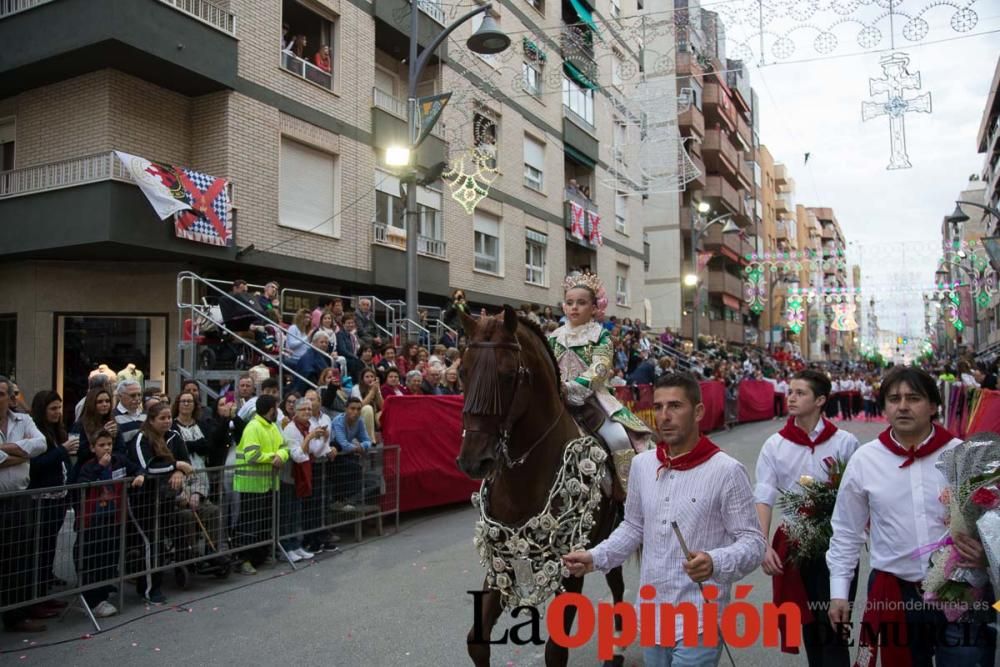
(704, 325)
(687, 64)
(389, 260)
(699, 181)
(588, 207)
(781, 231)
(745, 172)
(718, 106)
(731, 332)
(392, 28)
(692, 122)
(46, 42)
(306, 70)
(389, 129)
(723, 282)
(720, 154)
(730, 245)
(395, 237)
(828, 233)
(782, 204)
(719, 189)
(110, 215)
(577, 44)
(781, 177)
(743, 130)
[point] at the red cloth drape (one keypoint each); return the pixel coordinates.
(756, 400)
(713, 396)
(428, 430)
(987, 415)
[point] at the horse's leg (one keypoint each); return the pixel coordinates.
(555, 655)
(616, 582)
(478, 647)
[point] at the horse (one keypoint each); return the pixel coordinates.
(516, 428)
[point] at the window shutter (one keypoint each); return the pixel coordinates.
(306, 191)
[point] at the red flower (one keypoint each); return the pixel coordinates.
(986, 498)
(829, 461)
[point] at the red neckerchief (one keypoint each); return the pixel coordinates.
(304, 430)
(703, 451)
(794, 433)
(939, 439)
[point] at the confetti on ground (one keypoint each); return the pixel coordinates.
(157, 650)
(134, 644)
(215, 609)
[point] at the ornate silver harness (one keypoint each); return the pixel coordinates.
(524, 563)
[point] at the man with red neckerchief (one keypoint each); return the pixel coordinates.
(893, 484)
(690, 481)
(804, 447)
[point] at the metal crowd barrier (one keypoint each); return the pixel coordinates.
(107, 535)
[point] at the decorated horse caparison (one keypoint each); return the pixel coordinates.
(542, 493)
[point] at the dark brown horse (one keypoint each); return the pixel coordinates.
(516, 428)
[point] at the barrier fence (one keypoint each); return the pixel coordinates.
(113, 534)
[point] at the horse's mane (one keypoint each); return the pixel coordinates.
(537, 330)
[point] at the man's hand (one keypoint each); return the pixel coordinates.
(971, 550)
(276, 462)
(194, 501)
(184, 467)
(138, 481)
(332, 455)
(840, 611)
(772, 563)
(579, 563)
(700, 567)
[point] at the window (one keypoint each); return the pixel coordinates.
(6, 144)
(619, 140)
(616, 8)
(484, 131)
(390, 211)
(307, 44)
(621, 212)
(488, 251)
(690, 90)
(578, 99)
(534, 163)
(306, 193)
(621, 285)
(532, 78)
(534, 257)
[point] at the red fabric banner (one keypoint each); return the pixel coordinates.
(428, 430)
(756, 401)
(986, 417)
(713, 396)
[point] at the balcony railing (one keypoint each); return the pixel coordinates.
(67, 174)
(432, 9)
(717, 141)
(579, 51)
(395, 106)
(206, 12)
(394, 237)
(8, 7)
(306, 70)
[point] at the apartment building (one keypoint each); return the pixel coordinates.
(988, 143)
(221, 88)
(718, 126)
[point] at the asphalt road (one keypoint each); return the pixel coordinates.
(396, 600)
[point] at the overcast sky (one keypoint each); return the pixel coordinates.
(815, 107)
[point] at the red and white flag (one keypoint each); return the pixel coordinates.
(595, 228)
(576, 221)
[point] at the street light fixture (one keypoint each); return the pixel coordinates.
(958, 216)
(488, 39)
(397, 156)
(690, 280)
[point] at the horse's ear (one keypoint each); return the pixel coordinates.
(468, 322)
(509, 319)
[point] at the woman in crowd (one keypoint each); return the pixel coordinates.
(288, 408)
(160, 453)
(410, 359)
(369, 393)
(322, 59)
(49, 470)
(194, 431)
(392, 386)
(413, 381)
(333, 395)
(297, 340)
(387, 361)
(327, 325)
(458, 305)
(451, 384)
(97, 415)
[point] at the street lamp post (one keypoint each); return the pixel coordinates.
(488, 39)
(697, 232)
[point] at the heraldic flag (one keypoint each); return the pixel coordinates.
(199, 202)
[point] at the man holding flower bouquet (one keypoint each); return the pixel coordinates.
(894, 484)
(799, 469)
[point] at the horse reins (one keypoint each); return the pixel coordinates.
(503, 434)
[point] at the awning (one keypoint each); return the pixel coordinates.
(731, 302)
(585, 16)
(574, 73)
(579, 157)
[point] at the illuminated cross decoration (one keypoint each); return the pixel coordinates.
(897, 80)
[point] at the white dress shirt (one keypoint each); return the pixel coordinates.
(903, 506)
(21, 431)
(781, 462)
(712, 504)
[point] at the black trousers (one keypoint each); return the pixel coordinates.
(823, 644)
(16, 571)
(254, 525)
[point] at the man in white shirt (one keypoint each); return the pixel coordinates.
(805, 446)
(687, 480)
(892, 483)
(20, 441)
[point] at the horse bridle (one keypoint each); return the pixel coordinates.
(503, 434)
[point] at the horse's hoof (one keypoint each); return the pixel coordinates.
(617, 661)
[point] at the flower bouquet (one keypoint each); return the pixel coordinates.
(972, 496)
(808, 512)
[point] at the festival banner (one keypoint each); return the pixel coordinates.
(576, 221)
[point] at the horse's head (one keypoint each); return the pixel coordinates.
(495, 373)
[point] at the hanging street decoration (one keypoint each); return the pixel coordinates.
(843, 317)
(469, 187)
(896, 81)
(795, 314)
(754, 289)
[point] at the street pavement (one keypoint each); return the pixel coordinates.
(396, 600)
